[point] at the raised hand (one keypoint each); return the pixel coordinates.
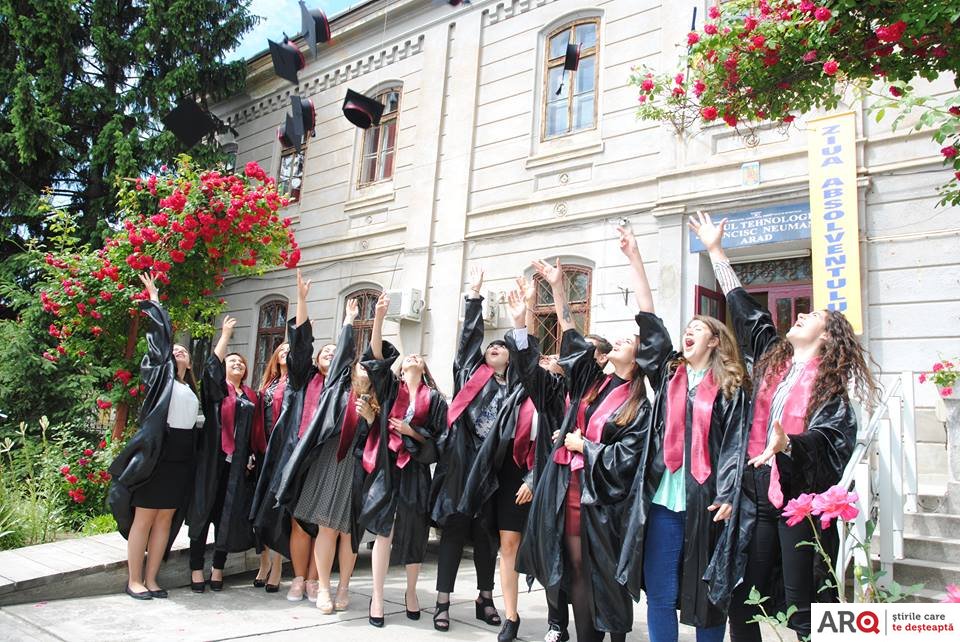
(151, 286)
(303, 287)
(628, 243)
(476, 280)
(352, 311)
(528, 291)
(383, 305)
(517, 309)
(229, 323)
(777, 443)
(711, 235)
(552, 274)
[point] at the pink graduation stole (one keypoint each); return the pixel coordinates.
(524, 453)
(470, 390)
(228, 411)
(277, 401)
(421, 407)
(349, 426)
(593, 430)
(310, 402)
(677, 419)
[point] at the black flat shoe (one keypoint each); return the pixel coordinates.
(442, 625)
(216, 585)
(374, 621)
(411, 615)
(509, 631)
(271, 588)
(142, 595)
(258, 583)
(159, 594)
(198, 587)
(556, 634)
(493, 619)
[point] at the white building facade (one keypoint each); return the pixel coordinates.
(480, 162)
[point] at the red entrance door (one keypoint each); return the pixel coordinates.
(785, 302)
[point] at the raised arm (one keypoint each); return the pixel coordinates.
(641, 284)
(346, 349)
(226, 333)
(470, 350)
(303, 288)
(711, 235)
(159, 334)
(553, 274)
(300, 336)
(539, 384)
(376, 335)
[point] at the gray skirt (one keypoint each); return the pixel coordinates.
(326, 496)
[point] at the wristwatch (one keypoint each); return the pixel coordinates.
(789, 448)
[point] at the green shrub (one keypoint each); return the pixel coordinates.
(99, 525)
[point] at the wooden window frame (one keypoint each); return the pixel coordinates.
(715, 295)
(550, 63)
(275, 336)
(542, 312)
(293, 195)
(362, 327)
(387, 118)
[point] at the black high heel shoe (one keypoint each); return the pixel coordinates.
(411, 615)
(198, 587)
(493, 619)
(509, 631)
(216, 585)
(442, 625)
(258, 583)
(374, 621)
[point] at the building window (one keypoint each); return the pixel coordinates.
(577, 284)
(271, 331)
(570, 98)
(363, 325)
(380, 142)
(290, 174)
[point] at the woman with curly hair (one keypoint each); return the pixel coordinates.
(679, 507)
(800, 436)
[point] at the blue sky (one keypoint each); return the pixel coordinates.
(279, 16)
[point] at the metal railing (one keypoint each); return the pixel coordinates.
(883, 470)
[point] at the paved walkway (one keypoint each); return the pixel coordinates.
(241, 612)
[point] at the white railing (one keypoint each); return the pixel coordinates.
(883, 470)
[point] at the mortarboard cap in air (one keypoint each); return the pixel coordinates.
(361, 110)
(188, 122)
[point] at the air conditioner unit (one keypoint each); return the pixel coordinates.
(405, 304)
(491, 307)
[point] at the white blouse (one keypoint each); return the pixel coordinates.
(184, 407)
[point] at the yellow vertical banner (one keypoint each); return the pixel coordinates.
(834, 218)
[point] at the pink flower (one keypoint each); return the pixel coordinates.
(946, 391)
(709, 113)
(953, 594)
(710, 30)
(949, 152)
(895, 91)
(64, 470)
(891, 33)
(758, 41)
(937, 367)
(678, 79)
(798, 509)
(830, 67)
(822, 14)
(836, 502)
(714, 12)
(699, 87)
(88, 452)
(692, 38)
(955, 111)
(923, 377)
(71, 479)
(646, 85)
(749, 24)
(810, 56)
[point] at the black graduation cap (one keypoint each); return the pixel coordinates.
(287, 59)
(571, 62)
(291, 132)
(304, 111)
(188, 122)
(314, 26)
(361, 110)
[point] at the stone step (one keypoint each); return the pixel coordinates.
(928, 595)
(933, 575)
(935, 524)
(947, 501)
(931, 548)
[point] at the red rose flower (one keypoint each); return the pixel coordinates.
(710, 30)
(830, 67)
(949, 151)
(714, 12)
(177, 256)
(72, 479)
(103, 404)
(758, 41)
(730, 119)
(891, 33)
(895, 91)
(955, 111)
(102, 444)
(822, 14)
(709, 113)
(65, 470)
(692, 38)
(87, 452)
(749, 24)
(646, 85)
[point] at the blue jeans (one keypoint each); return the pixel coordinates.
(662, 554)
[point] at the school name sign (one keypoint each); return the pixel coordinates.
(761, 225)
(834, 219)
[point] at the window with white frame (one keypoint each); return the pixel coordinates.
(570, 98)
(380, 142)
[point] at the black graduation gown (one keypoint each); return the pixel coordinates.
(700, 531)
(234, 533)
(136, 462)
(818, 456)
(394, 498)
(459, 445)
(324, 425)
(609, 469)
(548, 394)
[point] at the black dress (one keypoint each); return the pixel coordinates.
(724, 445)
(396, 498)
(155, 446)
(605, 480)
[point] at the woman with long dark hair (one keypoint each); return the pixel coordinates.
(573, 534)
(224, 483)
(397, 455)
(484, 387)
(679, 506)
(151, 476)
(799, 437)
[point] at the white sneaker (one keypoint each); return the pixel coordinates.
(313, 587)
(297, 587)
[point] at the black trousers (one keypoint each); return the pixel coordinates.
(773, 544)
(198, 546)
(452, 538)
(558, 609)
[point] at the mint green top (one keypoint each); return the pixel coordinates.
(672, 492)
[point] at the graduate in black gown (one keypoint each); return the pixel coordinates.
(504, 471)
(575, 526)
(396, 458)
(151, 478)
(678, 509)
(224, 483)
(799, 437)
(484, 386)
